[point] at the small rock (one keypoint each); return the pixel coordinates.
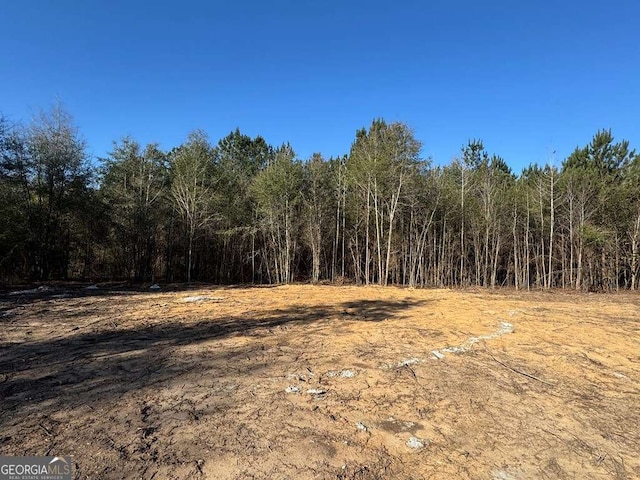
(416, 443)
(316, 391)
(155, 286)
(505, 327)
(292, 389)
(91, 287)
(361, 426)
(347, 373)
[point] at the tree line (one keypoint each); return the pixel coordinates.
(244, 211)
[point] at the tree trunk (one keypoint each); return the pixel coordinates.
(635, 252)
(549, 281)
(190, 254)
(579, 265)
(462, 249)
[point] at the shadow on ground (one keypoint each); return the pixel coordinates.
(71, 368)
(27, 294)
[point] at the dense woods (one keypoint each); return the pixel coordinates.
(241, 210)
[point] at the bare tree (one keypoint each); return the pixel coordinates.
(193, 187)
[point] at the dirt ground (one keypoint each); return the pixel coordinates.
(323, 382)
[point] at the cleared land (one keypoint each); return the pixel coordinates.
(323, 382)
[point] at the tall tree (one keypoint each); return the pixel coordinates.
(193, 187)
(277, 190)
(15, 202)
(134, 186)
(56, 177)
(239, 159)
(318, 208)
(380, 162)
(631, 212)
(595, 172)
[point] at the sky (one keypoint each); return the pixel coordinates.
(529, 78)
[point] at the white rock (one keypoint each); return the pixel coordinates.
(416, 443)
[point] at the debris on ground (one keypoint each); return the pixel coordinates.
(398, 426)
(297, 377)
(402, 363)
(201, 298)
(361, 426)
(342, 373)
(409, 361)
(135, 390)
(42, 289)
(505, 327)
(416, 443)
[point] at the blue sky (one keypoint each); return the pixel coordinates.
(527, 78)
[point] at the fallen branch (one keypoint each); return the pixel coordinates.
(520, 372)
(412, 372)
